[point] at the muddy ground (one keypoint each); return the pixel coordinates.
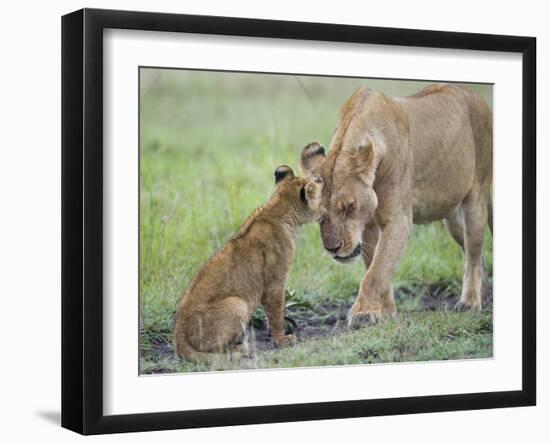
(329, 318)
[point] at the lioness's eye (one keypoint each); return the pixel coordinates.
(347, 210)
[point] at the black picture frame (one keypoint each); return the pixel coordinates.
(82, 220)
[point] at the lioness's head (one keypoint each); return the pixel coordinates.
(348, 200)
(298, 197)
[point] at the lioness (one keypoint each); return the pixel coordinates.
(397, 161)
(250, 270)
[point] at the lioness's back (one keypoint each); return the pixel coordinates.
(450, 129)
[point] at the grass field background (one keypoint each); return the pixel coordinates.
(209, 144)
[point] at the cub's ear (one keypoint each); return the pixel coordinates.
(282, 172)
(310, 194)
(312, 155)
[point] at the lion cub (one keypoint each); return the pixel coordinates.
(250, 270)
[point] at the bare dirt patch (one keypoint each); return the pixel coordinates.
(329, 318)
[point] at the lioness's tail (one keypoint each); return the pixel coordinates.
(481, 119)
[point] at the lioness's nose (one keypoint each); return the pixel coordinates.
(333, 250)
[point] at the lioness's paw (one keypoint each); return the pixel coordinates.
(285, 340)
(361, 319)
(462, 306)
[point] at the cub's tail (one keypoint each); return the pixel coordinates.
(184, 349)
(180, 343)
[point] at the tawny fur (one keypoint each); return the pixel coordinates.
(249, 271)
(397, 161)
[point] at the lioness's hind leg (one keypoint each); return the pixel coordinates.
(475, 221)
(455, 225)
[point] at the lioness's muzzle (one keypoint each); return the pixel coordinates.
(334, 250)
(356, 251)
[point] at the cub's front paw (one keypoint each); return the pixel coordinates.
(284, 340)
(357, 320)
(464, 306)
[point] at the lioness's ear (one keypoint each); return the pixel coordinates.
(364, 153)
(283, 172)
(312, 155)
(365, 161)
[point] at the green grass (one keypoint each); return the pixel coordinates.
(412, 336)
(209, 145)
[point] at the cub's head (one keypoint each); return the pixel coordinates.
(348, 200)
(298, 197)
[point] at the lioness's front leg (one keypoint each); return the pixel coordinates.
(370, 240)
(375, 298)
(273, 303)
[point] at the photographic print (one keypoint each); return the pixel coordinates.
(256, 207)
(294, 221)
